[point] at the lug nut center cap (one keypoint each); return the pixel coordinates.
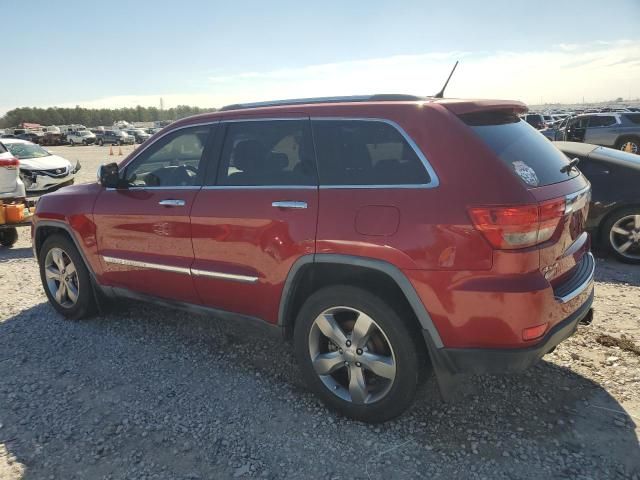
(349, 355)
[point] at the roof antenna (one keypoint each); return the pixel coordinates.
(440, 94)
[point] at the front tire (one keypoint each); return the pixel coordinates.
(356, 353)
(72, 143)
(101, 143)
(8, 237)
(65, 278)
(621, 234)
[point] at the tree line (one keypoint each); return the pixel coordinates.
(92, 117)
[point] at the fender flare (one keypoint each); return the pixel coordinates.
(387, 268)
(66, 227)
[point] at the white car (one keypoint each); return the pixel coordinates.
(11, 187)
(81, 137)
(40, 170)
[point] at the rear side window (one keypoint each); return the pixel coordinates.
(365, 152)
(633, 118)
(602, 121)
(520, 147)
(267, 153)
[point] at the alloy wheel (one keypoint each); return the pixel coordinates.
(61, 277)
(631, 147)
(352, 355)
(625, 236)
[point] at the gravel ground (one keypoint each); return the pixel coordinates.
(148, 393)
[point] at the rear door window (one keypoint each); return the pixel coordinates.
(602, 121)
(520, 147)
(267, 153)
(633, 118)
(365, 152)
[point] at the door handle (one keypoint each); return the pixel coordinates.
(171, 203)
(289, 204)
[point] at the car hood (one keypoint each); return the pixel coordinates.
(44, 163)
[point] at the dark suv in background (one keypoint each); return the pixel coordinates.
(114, 137)
(361, 228)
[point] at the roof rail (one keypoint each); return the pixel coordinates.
(382, 97)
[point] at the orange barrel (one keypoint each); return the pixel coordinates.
(14, 213)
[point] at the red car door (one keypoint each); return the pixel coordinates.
(143, 231)
(257, 218)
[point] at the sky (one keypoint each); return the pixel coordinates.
(211, 53)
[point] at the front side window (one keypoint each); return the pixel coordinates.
(365, 152)
(173, 161)
(267, 153)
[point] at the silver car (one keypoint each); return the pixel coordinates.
(616, 130)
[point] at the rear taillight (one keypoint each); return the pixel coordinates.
(510, 227)
(9, 162)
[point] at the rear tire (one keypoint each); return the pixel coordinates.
(8, 237)
(72, 143)
(630, 143)
(370, 377)
(621, 234)
(65, 278)
(101, 143)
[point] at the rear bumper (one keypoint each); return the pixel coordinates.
(493, 360)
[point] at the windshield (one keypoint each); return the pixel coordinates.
(84, 133)
(27, 150)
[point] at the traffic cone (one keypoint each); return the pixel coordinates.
(111, 150)
(119, 150)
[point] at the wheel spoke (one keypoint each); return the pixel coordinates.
(71, 269)
(357, 385)
(60, 293)
(362, 329)
(326, 363)
(330, 328)
(620, 231)
(52, 273)
(625, 246)
(72, 292)
(381, 365)
(56, 255)
(636, 221)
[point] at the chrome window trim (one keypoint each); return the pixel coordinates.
(177, 187)
(224, 276)
(434, 180)
(264, 119)
(183, 270)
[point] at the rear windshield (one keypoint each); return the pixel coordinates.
(521, 147)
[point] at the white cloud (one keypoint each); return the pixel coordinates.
(564, 73)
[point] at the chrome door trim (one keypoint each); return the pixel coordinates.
(259, 187)
(224, 276)
(150, 265)
(183, 270)
(290, 204)
(433, 183)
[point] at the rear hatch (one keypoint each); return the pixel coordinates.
(560, 195)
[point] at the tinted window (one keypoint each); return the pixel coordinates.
(269, 152)
(523, 149)
(534, 119)
(361, 152)
(172, 161)
(602, 121)
(634, 117)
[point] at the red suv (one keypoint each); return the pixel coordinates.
(383, 235)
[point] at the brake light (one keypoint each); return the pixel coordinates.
(9, 162)
(510, 227)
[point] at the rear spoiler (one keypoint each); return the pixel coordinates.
(462, 107)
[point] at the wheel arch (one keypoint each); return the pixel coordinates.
(43, 229)
(311, 272)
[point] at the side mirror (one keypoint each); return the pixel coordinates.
(108, 175)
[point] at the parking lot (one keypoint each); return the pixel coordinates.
(143, 392)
